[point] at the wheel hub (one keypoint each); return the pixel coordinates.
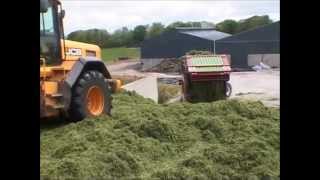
(95, 100)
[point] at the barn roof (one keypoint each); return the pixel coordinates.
(208, 33)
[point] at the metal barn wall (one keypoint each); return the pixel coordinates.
(173, 45)
(239, 51)
(263, 40)
(272, 60)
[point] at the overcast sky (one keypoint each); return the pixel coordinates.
(112, 15)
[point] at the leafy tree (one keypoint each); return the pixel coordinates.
(77, 36)
(95, 36)
(233, 27)
(228, 26)
(121, 37)
(139, 33)
(155, 30)
(126, 37)
(253, 22)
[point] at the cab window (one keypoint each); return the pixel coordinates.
(49, 37)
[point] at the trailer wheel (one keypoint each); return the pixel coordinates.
(228, 89)
(91, 97)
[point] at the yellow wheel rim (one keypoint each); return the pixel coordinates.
(95, 100)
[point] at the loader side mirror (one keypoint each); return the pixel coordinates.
(44, 4)
(62, 13)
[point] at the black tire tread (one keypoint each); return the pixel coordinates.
(77, 111)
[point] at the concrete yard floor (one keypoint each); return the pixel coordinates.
(262, 85)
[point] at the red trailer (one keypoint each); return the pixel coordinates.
(205, 78)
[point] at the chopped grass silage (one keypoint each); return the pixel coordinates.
(143, 140)
(167, 92)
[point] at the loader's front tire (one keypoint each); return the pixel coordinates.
(91, 97)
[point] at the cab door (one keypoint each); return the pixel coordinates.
(50, 47)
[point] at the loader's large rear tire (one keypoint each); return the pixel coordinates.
(91, 97)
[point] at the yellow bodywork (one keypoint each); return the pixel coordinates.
(57, 73)
(55, 94)
(84, 47)
(69, 59)
(51, 76)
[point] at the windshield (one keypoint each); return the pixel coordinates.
(46, 22)
(49, 37)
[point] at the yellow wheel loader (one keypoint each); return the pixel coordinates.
(74, 81)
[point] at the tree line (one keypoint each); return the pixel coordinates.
(124, 37)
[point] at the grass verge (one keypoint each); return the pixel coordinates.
(110, 55)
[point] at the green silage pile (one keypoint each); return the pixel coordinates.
(221, 140)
